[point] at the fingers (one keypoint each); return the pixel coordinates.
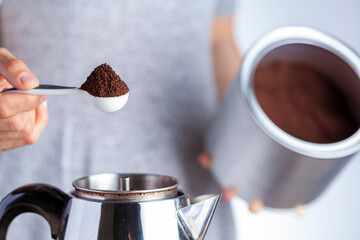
(4, 84)
(23, 129)
(22, 116)
(8, 144)
(14, 103)
(229, 193)
(205, 160)
(300, 210)
(42, 119)
(16, 72)
(9, 135)
(19, 123)
(256, 205)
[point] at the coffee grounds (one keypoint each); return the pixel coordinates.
(304, 103)
(104, 82)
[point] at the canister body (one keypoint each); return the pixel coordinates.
(252, 154)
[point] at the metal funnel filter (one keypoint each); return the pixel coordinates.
(126, 187)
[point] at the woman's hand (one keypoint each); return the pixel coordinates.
(22, 116)
(205, 160)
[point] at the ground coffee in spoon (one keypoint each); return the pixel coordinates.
(304, 103)
(104, 82)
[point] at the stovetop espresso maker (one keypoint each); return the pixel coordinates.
(114, 207)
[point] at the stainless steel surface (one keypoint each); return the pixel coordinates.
(44, 89)
(118, 221)
(75, 218)
(125, 184)
(161, 220)
(195, 219)
(141, 187)
(251, 153)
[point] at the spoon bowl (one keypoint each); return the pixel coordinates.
(110, 104)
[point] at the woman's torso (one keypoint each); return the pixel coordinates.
(161, 49)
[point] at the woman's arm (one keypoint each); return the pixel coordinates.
(225, 53)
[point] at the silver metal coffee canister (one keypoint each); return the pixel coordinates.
(252, 154)
(114, 207)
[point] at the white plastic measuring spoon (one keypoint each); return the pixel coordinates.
(105, 104)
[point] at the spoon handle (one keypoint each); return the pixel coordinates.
(44, 89)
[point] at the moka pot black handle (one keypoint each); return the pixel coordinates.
(45, 200)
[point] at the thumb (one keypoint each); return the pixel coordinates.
(16, 72)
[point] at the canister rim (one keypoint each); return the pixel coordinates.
(296, 35)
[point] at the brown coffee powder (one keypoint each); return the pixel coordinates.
(304, 103)
(104, 82)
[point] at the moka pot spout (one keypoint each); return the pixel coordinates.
(195, 219)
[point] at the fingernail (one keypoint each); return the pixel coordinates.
(256, 205)
(229, 193)
(300, 210)
(205, 160)
(44, 104)
(26, 77)
(43, 98)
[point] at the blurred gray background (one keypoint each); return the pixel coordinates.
(336, 214)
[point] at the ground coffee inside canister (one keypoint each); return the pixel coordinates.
(104, 82)
(304, 103)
